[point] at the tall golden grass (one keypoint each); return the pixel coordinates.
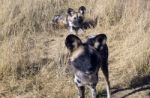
(33, 58)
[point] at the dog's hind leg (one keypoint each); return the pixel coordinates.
(106, 75)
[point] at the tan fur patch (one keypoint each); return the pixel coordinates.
(77, 53)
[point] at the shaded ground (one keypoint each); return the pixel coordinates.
(136, 90)
(139, 92)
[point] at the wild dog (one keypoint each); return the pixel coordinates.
(86, 59)
(76, 22)
(73, 20)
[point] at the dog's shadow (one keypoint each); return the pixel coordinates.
(137, 85)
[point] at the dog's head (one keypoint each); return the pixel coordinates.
(84, 56)
(75, 19)
(72, 17)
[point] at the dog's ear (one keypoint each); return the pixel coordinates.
(82, 10)
(70, 11)
(100, 41)
(72, 42)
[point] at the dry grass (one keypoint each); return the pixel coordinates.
(33, 58)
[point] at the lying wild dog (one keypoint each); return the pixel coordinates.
(77, 22)
(72, 20)
(86, 59)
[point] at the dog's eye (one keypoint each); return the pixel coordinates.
(75, 18)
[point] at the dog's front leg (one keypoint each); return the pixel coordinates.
(93, 91)
(80, 86)
(81, 91)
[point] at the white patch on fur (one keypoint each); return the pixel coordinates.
(108, 91)
(81, 11)
(93, 91)
(76, 79)
(91, 36)
(96, 44)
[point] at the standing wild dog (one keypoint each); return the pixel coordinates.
(86, 59)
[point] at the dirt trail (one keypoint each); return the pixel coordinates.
(139, 92)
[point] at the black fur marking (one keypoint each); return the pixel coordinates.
(78, 81)
(70, 40)
(69, 11)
